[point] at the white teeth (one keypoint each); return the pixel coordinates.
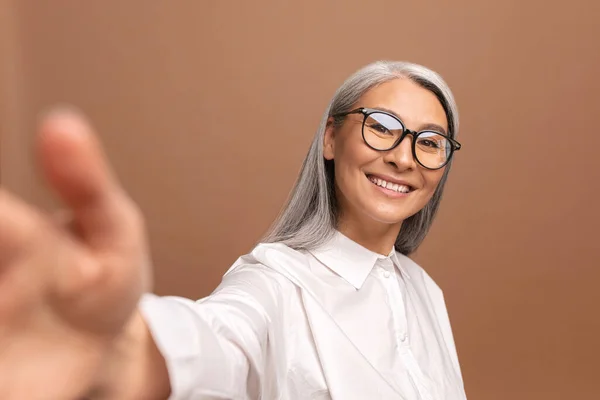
(390, 185)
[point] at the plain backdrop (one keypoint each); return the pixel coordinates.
(207, 109)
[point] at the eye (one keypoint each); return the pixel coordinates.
(429, 143)
(433, 143)
(379, 128)
(383, 125)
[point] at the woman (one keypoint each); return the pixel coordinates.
(328, 305)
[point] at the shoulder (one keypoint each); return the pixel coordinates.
(418, 274)
(253, 284)
(267, 265)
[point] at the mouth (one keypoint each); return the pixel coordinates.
(390, 186)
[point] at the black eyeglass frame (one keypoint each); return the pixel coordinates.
(454, 145)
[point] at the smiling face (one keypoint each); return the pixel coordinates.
(380, 189)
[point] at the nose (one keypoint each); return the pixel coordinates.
(401, 156)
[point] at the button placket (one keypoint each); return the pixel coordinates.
(385, 266)
(403, 337)
(394, 289)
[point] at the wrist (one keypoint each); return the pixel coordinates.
(134, 368)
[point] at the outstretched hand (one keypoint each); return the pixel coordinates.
(68, 286)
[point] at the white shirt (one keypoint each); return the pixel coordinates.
(340, 322)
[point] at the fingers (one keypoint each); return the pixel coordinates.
(77, 169)
(26, 234)
(88, 268)
(17, 225)
(63, 218)
(103, 216)
(36, 257)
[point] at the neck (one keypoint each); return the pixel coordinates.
(377, 237)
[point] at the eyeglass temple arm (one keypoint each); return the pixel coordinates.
(457, 145)
(356, 111)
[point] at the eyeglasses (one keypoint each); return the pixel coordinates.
(383, 131)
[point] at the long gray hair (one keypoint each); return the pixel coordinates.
(310, 216)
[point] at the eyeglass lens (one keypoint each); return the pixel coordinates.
(382, 132)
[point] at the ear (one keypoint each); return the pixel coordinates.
(329, 140)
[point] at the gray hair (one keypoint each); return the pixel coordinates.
(310, 216)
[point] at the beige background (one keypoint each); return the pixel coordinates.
(208, 107)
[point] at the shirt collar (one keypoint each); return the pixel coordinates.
(349, 259)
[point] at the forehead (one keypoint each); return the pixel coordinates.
(415, 105)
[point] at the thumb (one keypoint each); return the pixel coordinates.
(74, 164)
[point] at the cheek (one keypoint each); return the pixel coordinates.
(350, 162)
(352, 154)
(431, 181)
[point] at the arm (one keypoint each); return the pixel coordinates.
(179, 349)
(135, 368)
(70, 294)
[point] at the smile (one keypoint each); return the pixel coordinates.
(389, 185)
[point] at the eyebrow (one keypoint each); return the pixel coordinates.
(425, 127)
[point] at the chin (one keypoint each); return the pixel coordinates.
(388, 214)
(388, 218)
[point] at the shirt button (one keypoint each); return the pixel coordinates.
(403, 337)
(386, 274)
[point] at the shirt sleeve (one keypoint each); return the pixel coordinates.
(224, 346)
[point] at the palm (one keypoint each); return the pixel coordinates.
(66, 294)
(46, 358)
